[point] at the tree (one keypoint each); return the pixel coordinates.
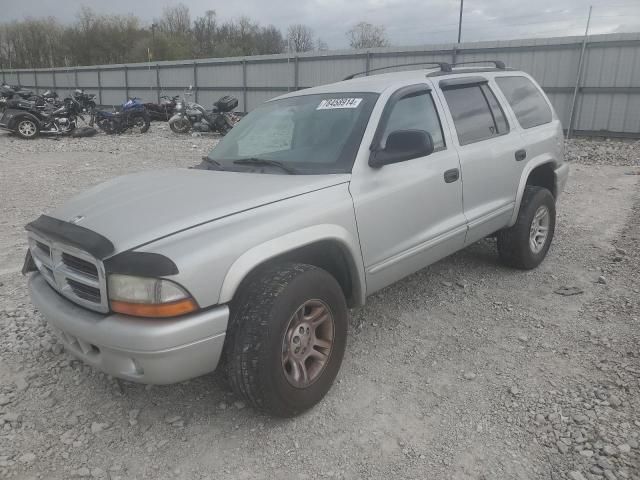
(204, 34)
(300, 38)
(94, 39)
(270, 41)
(367, 35)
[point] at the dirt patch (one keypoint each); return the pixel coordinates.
(465, 370)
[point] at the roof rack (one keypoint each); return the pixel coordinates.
(497, 63)
(444, 67)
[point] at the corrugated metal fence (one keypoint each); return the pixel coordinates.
(608, 100)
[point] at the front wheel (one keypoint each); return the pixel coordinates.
(525, 244)
(27, 128)
(286, 339)
(140, 122)
(180, 125)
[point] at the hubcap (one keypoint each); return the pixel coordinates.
(27, 128)
(539, 229)
(307, 343)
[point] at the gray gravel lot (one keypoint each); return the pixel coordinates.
(465, 370)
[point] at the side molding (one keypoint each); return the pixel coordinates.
(291, 241)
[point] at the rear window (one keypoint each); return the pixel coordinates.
(526, 100)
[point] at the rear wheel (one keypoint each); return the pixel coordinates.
(180, 125)
(140, 122)
(286, 339)
(27, 128)
(525, 244)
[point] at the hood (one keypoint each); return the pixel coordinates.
(139, 208)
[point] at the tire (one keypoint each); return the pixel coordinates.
(259, 348)
(181, 125)
(140, 120)
(107, 125)
(515, 245)
(227, 125)
(27, 128)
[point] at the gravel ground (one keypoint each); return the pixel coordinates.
(465, 370)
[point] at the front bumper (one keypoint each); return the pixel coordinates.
(157, 351)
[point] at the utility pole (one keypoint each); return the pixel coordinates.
(153, 39)
(460, 21)
(578, 75)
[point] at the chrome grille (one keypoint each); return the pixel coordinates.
(71, 272)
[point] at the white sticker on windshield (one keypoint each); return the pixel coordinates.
(329, 103)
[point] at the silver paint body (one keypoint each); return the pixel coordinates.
(218, 226)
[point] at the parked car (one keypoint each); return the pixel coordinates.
(314, 201)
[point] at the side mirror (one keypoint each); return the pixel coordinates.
(402, 145)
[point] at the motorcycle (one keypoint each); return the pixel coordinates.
(87, 101)
(8, 92)
(164, 110)
(133, 115)
(27, 120)
(190, 115)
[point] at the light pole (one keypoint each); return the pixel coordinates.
(460, 21)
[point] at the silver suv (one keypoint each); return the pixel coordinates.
(315, 200)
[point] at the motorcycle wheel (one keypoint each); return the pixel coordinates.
(27, 129)
(140, 122)
(181, 125)
(226, 126)
(108, 126)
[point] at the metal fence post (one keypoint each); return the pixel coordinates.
(3, 79)
(578, 76)
(53, 76)
(75, 77)
(296, 74)
(195, 81)
(126, 82)
(99, 86)
(158, 81)
(244, 85)
(368, 62)
(18, 76)
(35, 80)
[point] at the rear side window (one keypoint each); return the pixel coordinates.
(526, 100)
(416, 111)
(476, 113)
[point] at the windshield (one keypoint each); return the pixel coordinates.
(308, 134)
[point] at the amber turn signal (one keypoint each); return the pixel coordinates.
(158, 310)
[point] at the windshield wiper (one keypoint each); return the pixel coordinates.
(264, 161)
(214, 163)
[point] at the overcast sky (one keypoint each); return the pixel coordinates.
(407, 22)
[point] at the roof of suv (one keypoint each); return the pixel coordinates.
(379, 82)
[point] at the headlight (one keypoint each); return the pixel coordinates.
(179, 106)
(148, 297)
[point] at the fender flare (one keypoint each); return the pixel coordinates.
(529, 167)
(22, 114)
(259, 254)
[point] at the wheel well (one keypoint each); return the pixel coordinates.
(543, 176)
(326, 254)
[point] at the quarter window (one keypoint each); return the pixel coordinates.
(526, 100)
(416, 111)
(476, 113)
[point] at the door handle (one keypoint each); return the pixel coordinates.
(521, 155)
(452, 175)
